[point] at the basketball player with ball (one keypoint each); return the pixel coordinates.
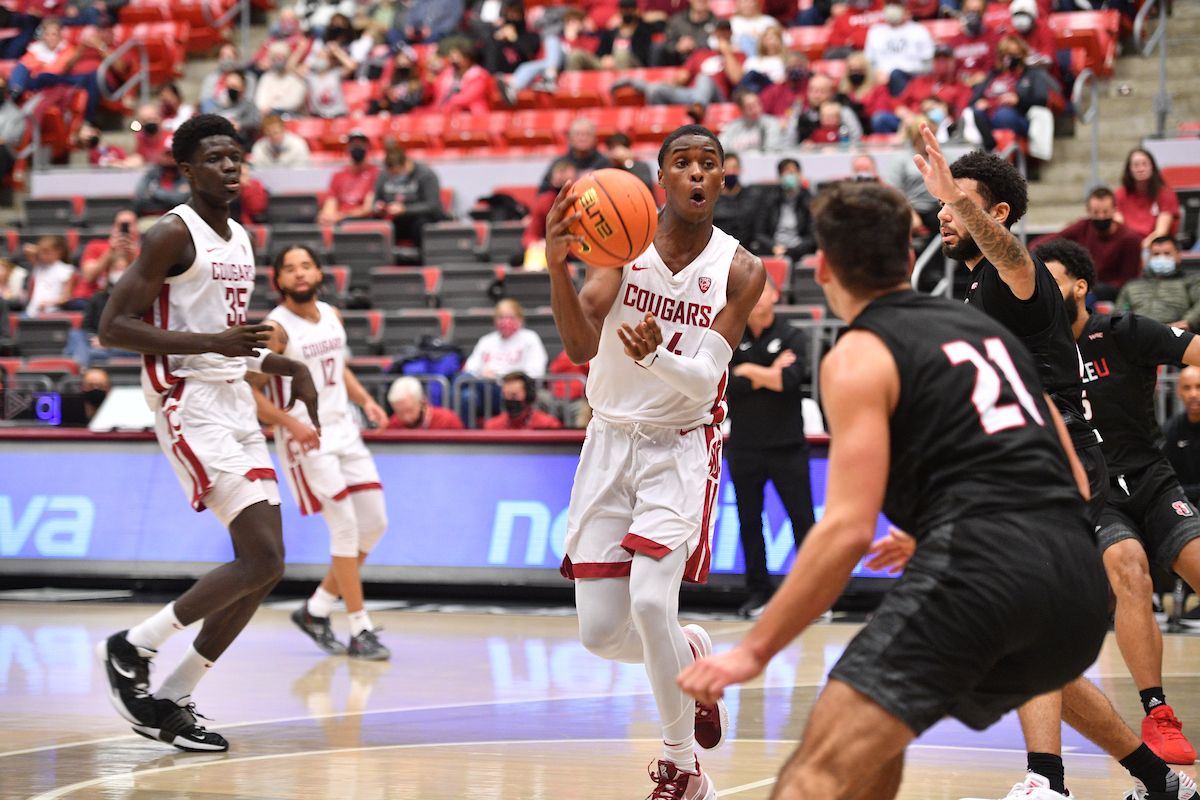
(658, 322)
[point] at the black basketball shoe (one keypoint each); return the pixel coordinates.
(176, 725)
(128, 671)
(366, 645)
(319, 630)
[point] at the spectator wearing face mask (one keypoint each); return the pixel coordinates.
(737, 205)
(94, 385)
(172, 107)
(150, 140)
(351, 189)
(462, 85)
(1163, 292)
(238, 107)
(859, 92)
(325, 98)
(278, 146)
(510, 348)
(1012, 88)
(1115, 250)
(405, 89)
(975, 44)
(518, 394)
(783, 226)
(898, 47)
(343, 49)
(849, 28)
(212, 88)
(942, 83)
(409, 194)
(1027, 24)
(779, 98)
(280, 89)
(411, 409)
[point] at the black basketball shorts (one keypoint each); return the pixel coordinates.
(1150, 506)
(990, 612)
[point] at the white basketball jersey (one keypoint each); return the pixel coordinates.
(320, 346)
(685, 305)
(208, 297)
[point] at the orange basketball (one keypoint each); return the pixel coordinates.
(618, 217)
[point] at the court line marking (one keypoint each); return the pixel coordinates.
(441, 707)
(63, 791)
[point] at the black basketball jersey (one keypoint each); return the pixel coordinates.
(971, 433)
(1042, 326)
(1121, 355)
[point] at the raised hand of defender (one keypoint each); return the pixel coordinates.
(892, 552)
(241, 340)
(707, 678)
(305, 391)
(936, 170)
(558, 224)
(640, 341)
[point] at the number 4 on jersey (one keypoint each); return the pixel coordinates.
(994, 416)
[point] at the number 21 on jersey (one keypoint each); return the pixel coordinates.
(994, 416)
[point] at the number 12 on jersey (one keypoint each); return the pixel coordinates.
(993, 415)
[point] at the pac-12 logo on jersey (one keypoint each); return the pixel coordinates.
(1182, 508)
(705, 284)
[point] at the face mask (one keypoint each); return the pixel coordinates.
(1102, 224)
(227, 65)
(973, 25)
(402, 72)
(797, 73)
(358, 154)
(893, 15)
(790, 182)
(234, 95)
(629, 19)
(856, 78)
(94, 397)
(288, 28)
(731, 181)
(320, 65)
(1160, 265)
(91, 142)
(3, 95)
(508, 326)
(864, 177)
(278, 64)
(514, 408)
(1013, 62)
(1022, 22)
(151, 128)
(936, 115)
(336, 33)
(169, 109)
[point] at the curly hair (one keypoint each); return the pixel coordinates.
(1075, 258)
(689, 130)
(189, 135)
(997, 181)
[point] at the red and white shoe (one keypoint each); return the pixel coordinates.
(712, 721)
(1163, 733)
(673, 783)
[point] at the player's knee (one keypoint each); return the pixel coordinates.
(372, 521)
(799, 780)
(601, 637)
(1131, 576)
(649, 610)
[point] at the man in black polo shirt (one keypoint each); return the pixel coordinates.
(767, 441)
(1182, 434)
(1147, 516)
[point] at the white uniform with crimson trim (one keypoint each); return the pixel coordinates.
(204, 413)
(342, 465)
(651, 463)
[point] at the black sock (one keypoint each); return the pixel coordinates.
(1147, 768)
(1050, 767)
(1154, 696)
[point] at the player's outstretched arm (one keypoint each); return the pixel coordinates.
(860, 386)
(996, 242)
(166, 249)
(698, 376)
(578, 315)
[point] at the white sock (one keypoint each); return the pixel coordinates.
(321, 603)
(182, 682)
(152, 632)
(682, 756)
(359, 622)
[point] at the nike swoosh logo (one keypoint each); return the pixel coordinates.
(210, 249)
(638, 269)
(120, 670)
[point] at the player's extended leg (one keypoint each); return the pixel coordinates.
(1087, 710)
(1138, 634)
(605, 621)
(1041, 724)
(851, 748)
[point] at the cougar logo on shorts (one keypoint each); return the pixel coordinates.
(1182, 509)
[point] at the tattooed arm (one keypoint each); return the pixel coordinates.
(996, 242)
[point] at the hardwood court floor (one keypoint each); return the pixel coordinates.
(472, 706)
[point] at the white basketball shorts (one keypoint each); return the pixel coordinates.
(330, 473)
(642, 489)
(210, 434)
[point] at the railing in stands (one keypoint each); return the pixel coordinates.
(1014, 152)
(33, 150)
(1087, 89)
(140, 78)
(944, 286)
(1147, 43)
(240, 9)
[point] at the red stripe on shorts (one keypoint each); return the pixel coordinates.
(640, 544)
(598, 569)
(302, 483)
(261, 473)
(363, 487)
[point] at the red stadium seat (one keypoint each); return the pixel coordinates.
(584, 88)
(1093, 31)
(530, 128)
(1183, 177)
(468, 131)
(416, 131)
(524, 195)
(611, 120)
(358, 94)
(204, 35)
(718, 115)
(1004, 138)
(49, 364)
(942, 30)
(809, 39)
(144, 11)
(655, 122)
